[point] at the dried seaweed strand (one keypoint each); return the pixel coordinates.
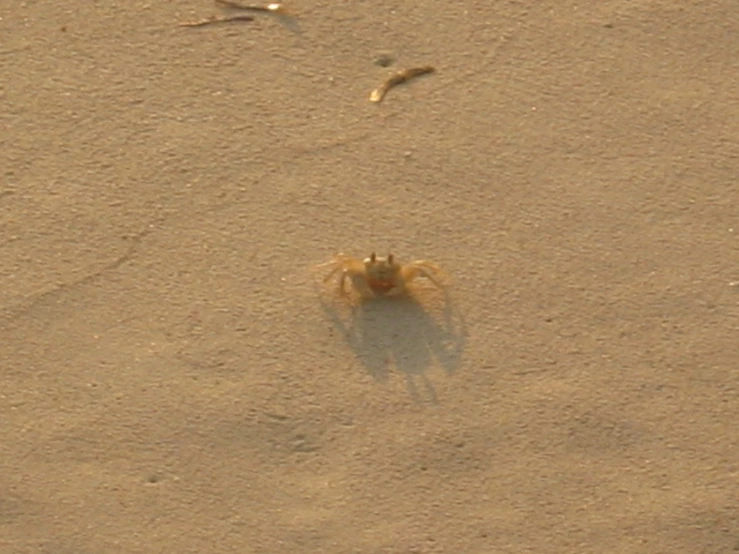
(400, 77)
(271, 8)
(214, 20)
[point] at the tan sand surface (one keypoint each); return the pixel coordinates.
(172, 378)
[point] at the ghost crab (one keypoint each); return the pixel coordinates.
(376, 276)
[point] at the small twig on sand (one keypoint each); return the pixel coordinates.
(271, 8)
(214, 20)
(400, 77)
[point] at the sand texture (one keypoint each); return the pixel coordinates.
(174, 378)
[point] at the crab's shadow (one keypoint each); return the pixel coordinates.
(401, 333)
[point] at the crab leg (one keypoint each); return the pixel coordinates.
(359, 281)
(333, 271)
(424, 269)
(430, 277)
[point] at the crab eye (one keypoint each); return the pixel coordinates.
(390, 258)
(373, 257)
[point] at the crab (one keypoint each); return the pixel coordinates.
(376, 276)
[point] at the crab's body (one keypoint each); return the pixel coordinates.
(377, 276)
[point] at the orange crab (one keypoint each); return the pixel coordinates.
(376, 276)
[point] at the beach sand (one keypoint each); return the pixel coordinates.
(174, 376)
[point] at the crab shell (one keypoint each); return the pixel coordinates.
(385, 282)
(380, 286)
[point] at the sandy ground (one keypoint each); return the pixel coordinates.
(173, 379)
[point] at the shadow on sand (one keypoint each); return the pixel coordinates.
(384, 332)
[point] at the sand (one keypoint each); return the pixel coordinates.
(173, 378)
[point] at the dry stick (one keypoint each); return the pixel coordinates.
(272, 8)
(400, 77)
(214, 20)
